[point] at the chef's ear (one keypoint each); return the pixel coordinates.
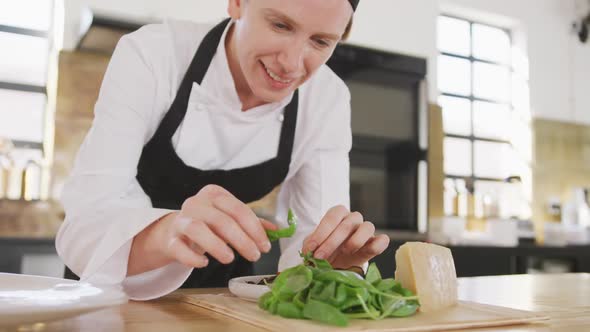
(235, 8)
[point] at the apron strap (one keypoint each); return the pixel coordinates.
(195, 73)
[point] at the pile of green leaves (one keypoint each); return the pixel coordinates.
(314, 290)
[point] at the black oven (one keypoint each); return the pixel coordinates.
(388, 176)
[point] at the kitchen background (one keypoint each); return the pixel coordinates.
(496, 159)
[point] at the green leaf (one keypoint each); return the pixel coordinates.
(298, 280)
(289, 310)
(406, 310)
(390, 305)
(300, 298)
(264, 300)
(316, 290)
(274, 235)
(327, 293)
(373, 275)
(341, 295)
(389, 284)
(369, 311)
(273, 305)
(317, 263)
(325, 313)
(292, 280)
(349, 304)
(345, 277)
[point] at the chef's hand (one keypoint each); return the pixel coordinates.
(209, 222)
(345, 239)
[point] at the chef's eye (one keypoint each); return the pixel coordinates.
(280, 26)
(321, 43)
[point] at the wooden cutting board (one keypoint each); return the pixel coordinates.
(463, 316)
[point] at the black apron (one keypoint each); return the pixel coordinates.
(168, 181)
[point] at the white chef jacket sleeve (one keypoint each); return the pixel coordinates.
(105, 206)
(321, 183)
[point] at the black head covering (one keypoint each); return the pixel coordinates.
(354, 4)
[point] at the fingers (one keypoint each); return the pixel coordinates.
(231, 233)
(185, 255)
(224, 229)
(327, 225)
(339, 235)
(362, 235)
(268, 225)
(375, 246)
(200, 233)
(245, 218)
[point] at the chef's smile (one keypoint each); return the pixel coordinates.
(275, 80)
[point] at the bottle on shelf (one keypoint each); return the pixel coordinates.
(6, 147)
(4, 176)
(31, 181)
(449, 197)
(462, 199)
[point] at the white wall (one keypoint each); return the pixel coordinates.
(141, 11)
(401, 26)
(559, 64)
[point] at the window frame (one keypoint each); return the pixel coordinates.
(5, 85)
(48, 89)
(472, 138)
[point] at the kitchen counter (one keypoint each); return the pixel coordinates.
(563, 297)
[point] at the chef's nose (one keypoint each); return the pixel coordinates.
(291, 58)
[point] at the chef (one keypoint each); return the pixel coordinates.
(192, 123)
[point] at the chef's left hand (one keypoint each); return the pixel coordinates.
(345, 239)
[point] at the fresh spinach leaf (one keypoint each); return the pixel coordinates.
(325, 313)
(274, 235)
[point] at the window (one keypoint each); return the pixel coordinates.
(486, 117)
(28, 54)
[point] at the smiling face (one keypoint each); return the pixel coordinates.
(276, 45)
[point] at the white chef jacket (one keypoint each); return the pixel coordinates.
(104, 204)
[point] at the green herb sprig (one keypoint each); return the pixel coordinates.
(315, 290)
(284, 232)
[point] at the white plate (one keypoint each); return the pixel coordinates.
(242, 289)
(26, 299)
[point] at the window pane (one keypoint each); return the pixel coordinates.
(491, 44)
(29, 14)
(491, 81)
(21, 115)
(491, 120)
(457, 155)
(24, 59)
(493, 160)
(456, 115)
(453, 36)
(504, 200)
(454, 75)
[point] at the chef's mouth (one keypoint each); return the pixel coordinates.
(276, 77)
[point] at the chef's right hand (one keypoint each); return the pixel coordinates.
(209, 222)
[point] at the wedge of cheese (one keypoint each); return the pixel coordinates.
(427, 270)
